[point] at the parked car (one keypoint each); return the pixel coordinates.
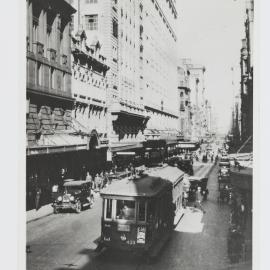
(74, 195)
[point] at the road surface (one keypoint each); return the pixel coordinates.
(67, 241)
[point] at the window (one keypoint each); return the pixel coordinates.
(91, 22)
(39, 73)
(52, 82)
(125, 210)
(115, 29)
(108, 209)
(142, 211)
(72, 23)
(150, 211)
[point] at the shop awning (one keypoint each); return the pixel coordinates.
(119, 147)
(58, 142)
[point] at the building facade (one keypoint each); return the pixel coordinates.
(185, 111)
(246, 67)
(159, 62)
(198, 100)
(48, 92)
(142, 78)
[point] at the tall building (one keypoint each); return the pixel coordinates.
(48, 92)
(138, 40)
(159, 61)
(198, 100)
(246, 66)
(185, 117)
(90, 90)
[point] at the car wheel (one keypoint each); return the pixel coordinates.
(78, 207)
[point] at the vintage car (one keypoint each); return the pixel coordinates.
(74, 195)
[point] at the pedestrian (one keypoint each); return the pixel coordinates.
(96, 182)
(205, 193)
(185, 199)
(101, 183)
(106, 179)
(199, 200)
(38, 196)
(88, 177)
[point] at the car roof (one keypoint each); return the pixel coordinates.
(74, 183)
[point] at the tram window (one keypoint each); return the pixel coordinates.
(150, 211)
(142, 211)
(125, 210)
(108, 209)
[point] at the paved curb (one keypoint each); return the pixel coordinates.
(48, 213)
(35, 219)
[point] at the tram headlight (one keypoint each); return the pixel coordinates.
(59, 199)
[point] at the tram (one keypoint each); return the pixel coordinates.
(139, 213)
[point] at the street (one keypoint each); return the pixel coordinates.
(66, 241)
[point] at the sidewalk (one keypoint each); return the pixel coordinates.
(34, 214)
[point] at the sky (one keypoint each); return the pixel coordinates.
(210, 33)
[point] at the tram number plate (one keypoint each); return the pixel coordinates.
(123, 227)
(131, 242)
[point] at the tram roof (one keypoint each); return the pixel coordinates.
(170, 173)
(149, 185)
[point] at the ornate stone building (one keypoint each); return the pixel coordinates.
(48, 92)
